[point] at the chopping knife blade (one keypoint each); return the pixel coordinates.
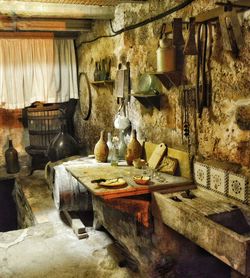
(231, 31)
(178, 39)
(190, 46)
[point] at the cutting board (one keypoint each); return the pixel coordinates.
(121, 83)
(184, 162)
(157, 156)
(184, 166)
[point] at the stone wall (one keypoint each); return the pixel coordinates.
(223, 130)
(11, 127)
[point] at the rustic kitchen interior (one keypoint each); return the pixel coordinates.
(125, 138)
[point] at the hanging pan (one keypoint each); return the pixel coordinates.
(85, 98)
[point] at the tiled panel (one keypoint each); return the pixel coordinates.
(201, 174)
(238, 187)
(218, 180)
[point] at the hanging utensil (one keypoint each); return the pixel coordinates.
(201, 68)
(119, 83)
(190, 46)
(85, 97)
(127, 91)
(178, 43)
(231, 32)
(178, 39)
(208, 66)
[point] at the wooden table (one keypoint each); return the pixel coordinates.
(88, 170)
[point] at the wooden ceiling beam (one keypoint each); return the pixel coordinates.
(53, 25)
(86, 2)
(54, 10)
(26, 35)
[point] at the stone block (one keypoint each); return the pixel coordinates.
(243, 117)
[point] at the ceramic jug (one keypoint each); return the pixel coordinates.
(166, 53)
(134, 149)
(101, 149)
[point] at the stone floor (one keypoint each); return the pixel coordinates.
(51, 249)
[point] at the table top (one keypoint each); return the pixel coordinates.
(85, 170)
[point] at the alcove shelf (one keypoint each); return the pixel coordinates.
(102, 83)
(169, 79)
(148, 100)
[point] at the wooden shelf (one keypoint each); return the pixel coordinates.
(148, 100)
(169, 79)
(102, 83)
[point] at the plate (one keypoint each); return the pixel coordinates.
(113, 182)
(148, 83)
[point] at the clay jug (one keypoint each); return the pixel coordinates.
(134, 149)
(101, 149)
(11, 158)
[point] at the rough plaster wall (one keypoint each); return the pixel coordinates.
(219, 136)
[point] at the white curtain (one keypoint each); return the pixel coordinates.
(36, 70)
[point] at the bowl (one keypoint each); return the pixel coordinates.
(143, 180)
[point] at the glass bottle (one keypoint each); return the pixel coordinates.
(96, 72)
(11, 158)
(122, 146)
(110, 146)
(103, 70)
(115, 152)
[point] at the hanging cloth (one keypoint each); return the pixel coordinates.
(36, 70)
(65, 71)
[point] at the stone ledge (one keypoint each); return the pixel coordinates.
(52, 250)
(35, 198)
(48, 247)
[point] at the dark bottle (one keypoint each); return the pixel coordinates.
(62, 145)
(96, 72)
(11, 158)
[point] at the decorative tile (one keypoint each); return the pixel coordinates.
(238, 187)
(218, 180)
(201, 174)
